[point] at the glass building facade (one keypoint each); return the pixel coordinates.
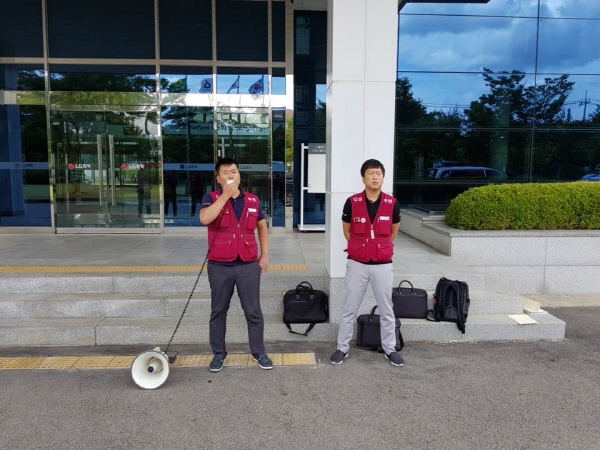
(112, 114)
(112, 122)
(499, 91)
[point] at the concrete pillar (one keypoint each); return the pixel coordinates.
(361, 75)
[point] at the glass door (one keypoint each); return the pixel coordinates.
(188, 138)
(245, 135)
(106, 171)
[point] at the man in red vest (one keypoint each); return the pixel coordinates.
(232, 216)
(370, 221)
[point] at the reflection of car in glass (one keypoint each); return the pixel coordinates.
(465, 172)
(594, 176)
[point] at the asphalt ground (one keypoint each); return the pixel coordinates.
(492, 395)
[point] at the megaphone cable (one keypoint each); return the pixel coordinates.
(172, 358)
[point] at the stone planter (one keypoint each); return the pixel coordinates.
(524, 262)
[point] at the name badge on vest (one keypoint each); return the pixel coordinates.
(252, 210)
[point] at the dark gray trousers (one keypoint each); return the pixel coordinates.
(246, 279)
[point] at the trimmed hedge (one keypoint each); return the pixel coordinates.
(528, 206)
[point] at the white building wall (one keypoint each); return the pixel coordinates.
(361, 76)
(361, 80)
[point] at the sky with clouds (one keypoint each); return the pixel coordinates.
(460, 39)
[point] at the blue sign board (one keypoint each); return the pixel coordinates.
(23, 166)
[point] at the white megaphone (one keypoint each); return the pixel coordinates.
(150, 369)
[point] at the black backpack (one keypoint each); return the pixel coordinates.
(451, 302)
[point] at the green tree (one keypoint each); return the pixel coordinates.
(409, 111)
(546, 101)
(320, 121)
(494, 123)
(504, 105)
(490, 119)
(411, 140)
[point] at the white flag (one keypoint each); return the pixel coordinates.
(206, 86)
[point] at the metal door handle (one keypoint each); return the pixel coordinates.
(110, 173)
(100, 168)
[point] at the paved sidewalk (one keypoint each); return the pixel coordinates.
(492, 395)
(536, 395)
(118, 360)
(188, 247)
(183, 250)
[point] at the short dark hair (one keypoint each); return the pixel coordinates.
(225, 162)
(371, 164)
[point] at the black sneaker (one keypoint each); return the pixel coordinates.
(338, 357)
(263, 361)
(395, 359)
(217, 363)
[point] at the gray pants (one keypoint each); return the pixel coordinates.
(358, 276)
(246, 278)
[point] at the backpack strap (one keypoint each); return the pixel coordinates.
(310, 327)
(400, 343)
(460, 323)
(461, 310)
(436, 298)
(372, 313)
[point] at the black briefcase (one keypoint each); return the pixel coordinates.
(409, 303)
(305, 305)
(368, 334)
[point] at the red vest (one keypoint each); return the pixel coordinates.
(371, 241)
(229, 238)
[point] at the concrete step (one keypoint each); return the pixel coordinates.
(171, 305)
(194, 330)
(161, 283)
(132, 308)
(123, 305)
(485, 327)
(137, 283)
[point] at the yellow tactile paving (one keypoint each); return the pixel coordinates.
(97, 269)
(93, 362)
(124, 362)
(286, 266)
(121, 362)
(20, 362)
(58, 362)
(299, 359)
(193, 360)
(276, 359)
(115, 268)
(237, 359)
